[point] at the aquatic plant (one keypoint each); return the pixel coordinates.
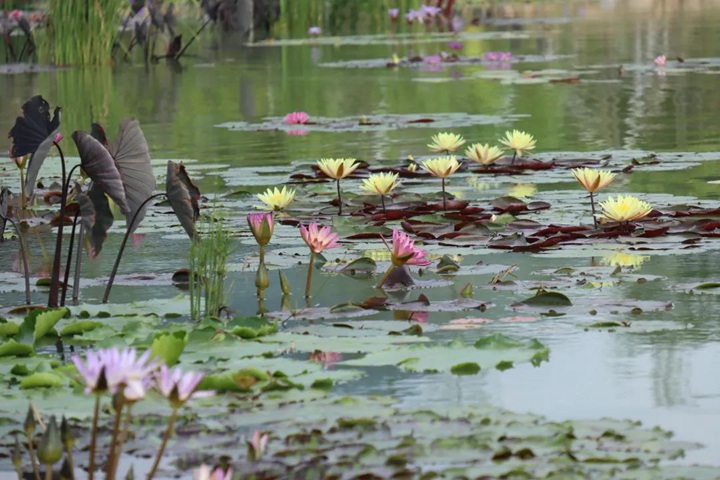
(625, 208)
(276, 199)
(319, 240)
(204, 472)
(483, 154)
(314, 31)
(519, 142)
(393, 13)
(296, 118)
(446, 142)
(442, 168)
(80, 33)
(34, 133)
(337, 169)
(593, 180)
(403, 252)
(209, 256)
(261, 226)
(381, 183)
(257, 445)
(177, 387)
(660, 61)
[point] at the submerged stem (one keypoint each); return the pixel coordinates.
(33, 459)
(308, 283)
(166, 437)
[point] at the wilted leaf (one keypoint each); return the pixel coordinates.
(183, 196)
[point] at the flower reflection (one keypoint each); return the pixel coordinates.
(326, 358)
(622, 259)
(523, 190)
(297, 133)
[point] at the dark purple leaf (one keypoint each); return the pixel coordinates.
(33, 134)
(97, 218)
(97, 163)
(132, 158)
(183, 196)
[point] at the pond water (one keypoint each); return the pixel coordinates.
(222, 115)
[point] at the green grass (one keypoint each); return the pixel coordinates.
(209, 255)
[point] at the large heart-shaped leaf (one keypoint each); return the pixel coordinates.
(97, 218)
(183, 196)
(97, 163)
(132, 158)
(33, 134)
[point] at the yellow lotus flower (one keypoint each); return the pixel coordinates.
(441, 167)
(276, 199)
(337, 168)
(412, 167)
(622, 259)
(483, 154)
(625, 208)
(382, 183)
(593, 180)
(518, 141)
(446, 142)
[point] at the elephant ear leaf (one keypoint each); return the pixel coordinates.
(183, 196)
(97, 163)
(33, 134)
(132, 158)
(97, 218)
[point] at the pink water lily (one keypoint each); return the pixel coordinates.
(257, 444)
(296, 118)
(318, 239)
(207, 473)
(660, 60)
(92, 370)
(261, 225)
(404, 250)
(314, 31)
(178, 386)
(393, 13)
(125, 369)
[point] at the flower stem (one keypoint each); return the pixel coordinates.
(115, 435)
(512, 162)
(166, 437)
(592, 206)
(385, 277)
(339, 197)
(55, 275)
(48, 471)
(121, 440)
(308, 283)
(382, 200)
(93, 437)
(262, 253)
(33, 459)
(443, 190)
(23, 200)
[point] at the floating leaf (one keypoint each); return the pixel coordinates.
(168, 347)
(80, 326)
(547, 299)
(43, 380)
(11, 348)
(39, 322)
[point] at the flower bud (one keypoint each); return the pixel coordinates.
(29, 425)
(17, 454)
(262, 277)
(66, 434)
(50, 448)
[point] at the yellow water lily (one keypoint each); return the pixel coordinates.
(276, 199)
(593, 180)
(441, 167)
(381, 183)
(483, 154)
(625, 208)
(518, 141)
(446, 142)
(337, 168)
